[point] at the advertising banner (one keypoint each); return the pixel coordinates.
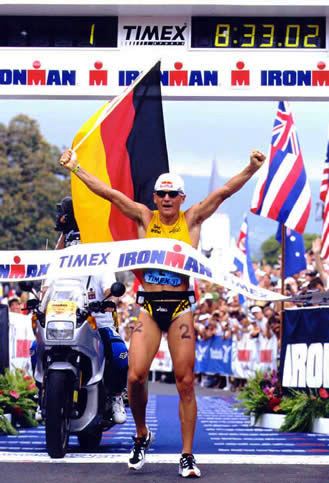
(21, 337)
(304, 360)
(215, 57)
(213, 356)
(236, 357)
(94, 258)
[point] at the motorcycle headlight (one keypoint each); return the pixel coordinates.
(59, 330)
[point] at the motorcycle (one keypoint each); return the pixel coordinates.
(70, 364)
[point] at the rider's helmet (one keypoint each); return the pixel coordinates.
(66, 222)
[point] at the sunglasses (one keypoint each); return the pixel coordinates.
(171, 194)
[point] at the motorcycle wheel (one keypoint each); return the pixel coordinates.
(90, 440)
(58, 410)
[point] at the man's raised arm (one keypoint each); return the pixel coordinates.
(128, 207)
(209, 205)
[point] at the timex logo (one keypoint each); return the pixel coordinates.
(154, 34)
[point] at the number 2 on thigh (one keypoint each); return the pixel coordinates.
(185, 331)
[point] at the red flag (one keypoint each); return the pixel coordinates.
(324, 196)
(123, 145)
(325, 178)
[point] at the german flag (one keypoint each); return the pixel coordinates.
(124, 145)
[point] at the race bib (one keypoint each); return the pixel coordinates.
(162, 277)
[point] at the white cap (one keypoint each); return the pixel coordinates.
(255, 309)
(169, 182)
(204, 317)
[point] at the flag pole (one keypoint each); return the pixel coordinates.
(283, 262)
(111, 105)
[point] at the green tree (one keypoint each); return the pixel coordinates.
(31, 184)
(271, 250)
(308, 239)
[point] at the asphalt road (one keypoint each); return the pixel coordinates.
(158, 473)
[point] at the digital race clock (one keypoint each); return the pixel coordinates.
(258, 32)
(44, 31)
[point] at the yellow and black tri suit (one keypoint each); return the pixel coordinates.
(179, 230)
(166, 305)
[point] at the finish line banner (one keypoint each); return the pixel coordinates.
(94, 258)
(305, 348)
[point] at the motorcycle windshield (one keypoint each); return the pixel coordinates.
(65, 290)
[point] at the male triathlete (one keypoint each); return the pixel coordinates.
(165, 301)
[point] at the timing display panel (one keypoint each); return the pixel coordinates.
(258, 33)
(35, 31)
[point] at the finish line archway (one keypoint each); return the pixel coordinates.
(217, 50)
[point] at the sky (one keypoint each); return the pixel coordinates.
(197, 131)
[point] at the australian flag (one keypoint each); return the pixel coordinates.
(282, 192)
(294, 255)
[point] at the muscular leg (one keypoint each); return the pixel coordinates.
(145, 341)
(181, 341)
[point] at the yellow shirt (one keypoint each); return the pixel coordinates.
(179, 230)
(157, 229)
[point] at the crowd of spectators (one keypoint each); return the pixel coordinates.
(217, 310)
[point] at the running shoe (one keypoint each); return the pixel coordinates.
(137, 454)
(118, 410)
(187, 466)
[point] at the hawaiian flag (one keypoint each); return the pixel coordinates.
(242, 259)
(124, 145)
(282, 192)
(324, 196)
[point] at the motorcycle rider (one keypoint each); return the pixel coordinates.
(97, 288)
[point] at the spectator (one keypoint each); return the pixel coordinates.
(260, 319)
(210, 329)
(268, 311)
(200, 322)
(316, 284)
(274, 327)
(14, 304)
(316, 247)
